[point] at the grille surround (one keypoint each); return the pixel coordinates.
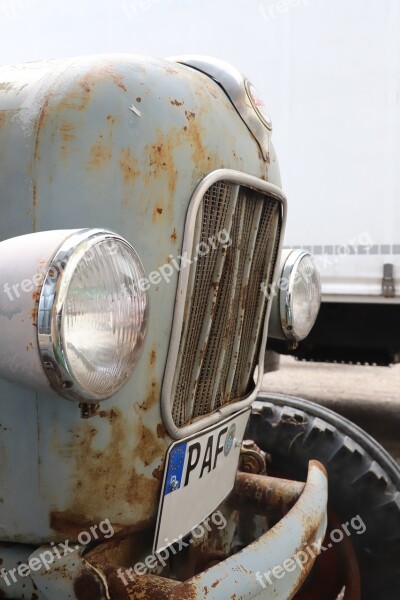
(264, 195)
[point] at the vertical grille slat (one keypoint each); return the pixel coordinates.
(256, 301)
(213, 367)
(247, 254)
(225, 307)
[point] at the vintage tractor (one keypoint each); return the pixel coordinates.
(141, 227)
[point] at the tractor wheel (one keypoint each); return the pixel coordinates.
(364, 492)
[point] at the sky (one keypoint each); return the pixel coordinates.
(328, 71)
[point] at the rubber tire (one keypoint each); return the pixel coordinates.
(363, 478)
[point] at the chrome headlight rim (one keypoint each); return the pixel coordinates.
(51, 308)
(289, 274)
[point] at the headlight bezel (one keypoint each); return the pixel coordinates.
(51, 308)
(286, 296)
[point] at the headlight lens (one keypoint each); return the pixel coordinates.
(301, 300)
(92, 316)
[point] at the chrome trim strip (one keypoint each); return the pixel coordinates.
(286, 298)
(259, 185)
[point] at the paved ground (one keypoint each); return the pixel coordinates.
(369, 396)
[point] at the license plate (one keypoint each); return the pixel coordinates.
(199, 474)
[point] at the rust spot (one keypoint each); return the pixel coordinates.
(161, 433)
(171, 70)
(148, 446)
(101, 74)
(161, 160)
(111, 414)
(138, 99)
(76, 99)
(29, 347)
(198, 150)
(153, 397)
(34, 199)
(69, 521)
(128, 164)
(153, 356)
(86, 587)
(157, 211)
(176, 103)
(67, 131)
(259, 494)
(320, 466)
(173, 235)
(141, 587)
(101, 153)
(158, 474)
(109, 480)
(36, 297)
(34, 205)
(102, 150)
(118, 80)
(41, 119)
(85, 85)
(190, 115)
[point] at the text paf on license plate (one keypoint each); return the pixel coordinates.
(199, 474)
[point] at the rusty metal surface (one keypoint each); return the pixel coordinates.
(235, 578)
(336, 572)
(252, 458)
(13, 586)
(262, 495)
(119, 142)
(95, 575)
(70, 577)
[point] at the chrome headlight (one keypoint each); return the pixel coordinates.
(92, 315)
(297, 297)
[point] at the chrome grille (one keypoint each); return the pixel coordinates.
(225, 307)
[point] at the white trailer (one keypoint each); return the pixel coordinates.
(335, 101)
